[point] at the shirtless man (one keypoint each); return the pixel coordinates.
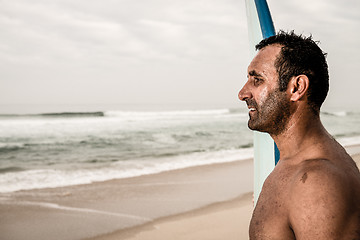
(314, 191)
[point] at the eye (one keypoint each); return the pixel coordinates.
(258, 81)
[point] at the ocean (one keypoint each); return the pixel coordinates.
(55, 149)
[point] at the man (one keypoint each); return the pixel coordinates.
(314, 191)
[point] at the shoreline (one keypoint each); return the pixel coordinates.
(178, 204)
(85, 211)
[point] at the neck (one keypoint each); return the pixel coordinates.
(303, 132)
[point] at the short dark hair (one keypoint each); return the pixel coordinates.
(301, 55)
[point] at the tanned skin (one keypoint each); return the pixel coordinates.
(314, 190)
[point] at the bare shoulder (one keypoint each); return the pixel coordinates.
(317, 177)
(324, 204)
(319, 173)
(318, 182)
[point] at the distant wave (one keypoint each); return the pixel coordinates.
(166, 113)
(59, 114)
(11, 169)
(338, 113)
(74, 114)
(125, 113)
(8, 147)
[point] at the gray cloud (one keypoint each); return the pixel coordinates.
(153, 51)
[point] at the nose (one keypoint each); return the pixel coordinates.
(244, 93)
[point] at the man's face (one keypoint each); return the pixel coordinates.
(269, 108)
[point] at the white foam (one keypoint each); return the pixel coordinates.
(40, 128)
(50, 178)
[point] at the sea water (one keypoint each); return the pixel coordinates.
(69, 148)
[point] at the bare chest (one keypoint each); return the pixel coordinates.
(270, 216)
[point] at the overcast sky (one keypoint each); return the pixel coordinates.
(172, 52)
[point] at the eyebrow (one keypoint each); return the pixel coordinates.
(254, 73)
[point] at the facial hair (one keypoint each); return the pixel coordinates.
(271, 115)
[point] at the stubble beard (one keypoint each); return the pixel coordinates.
(272, 115)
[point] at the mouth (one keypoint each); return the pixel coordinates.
(251, 109)
(251, 104)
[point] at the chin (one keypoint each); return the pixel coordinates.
(254, 126)
(257, 127)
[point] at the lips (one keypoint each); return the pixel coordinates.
(251, 104)
(251, 108)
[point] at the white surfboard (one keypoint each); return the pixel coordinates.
(266, 154)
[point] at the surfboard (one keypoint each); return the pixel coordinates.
(266, 154)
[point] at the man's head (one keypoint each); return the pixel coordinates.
(269, 107)
(301, 55)
(268, 94)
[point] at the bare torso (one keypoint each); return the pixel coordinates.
(279, 205)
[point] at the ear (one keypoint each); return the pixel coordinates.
(298, 87)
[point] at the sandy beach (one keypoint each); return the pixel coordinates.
(224, 220)
(90, 210)
(203, 203)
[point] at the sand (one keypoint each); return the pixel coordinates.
(85, 211)
(225, 220)
(202, 203)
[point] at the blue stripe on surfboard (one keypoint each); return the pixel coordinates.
(277, 153)
(266, 23)
(267, 30)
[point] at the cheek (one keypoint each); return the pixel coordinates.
(263, 95)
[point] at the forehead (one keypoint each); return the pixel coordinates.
(263, 62)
